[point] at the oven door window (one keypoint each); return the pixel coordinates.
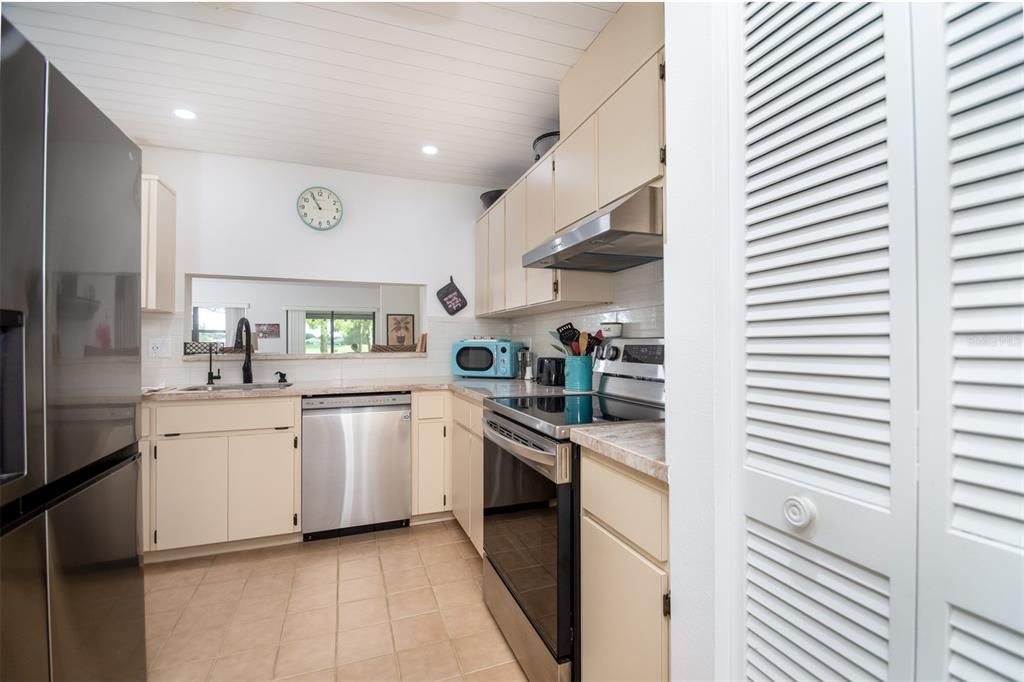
(528, 542)
(475, 359)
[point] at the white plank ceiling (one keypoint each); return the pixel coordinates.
(359, 86)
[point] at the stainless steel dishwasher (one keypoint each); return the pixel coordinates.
(356, 452)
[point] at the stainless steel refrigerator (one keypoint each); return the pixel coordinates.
(71, 593)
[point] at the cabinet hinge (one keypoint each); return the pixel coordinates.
(295, 519)
(171, 435)
(295, 442)
(663, 155)
(281, 428)
(661, 71)
(554, 286)
(444, 500)
(444, 431)
(666, 604)
(154, 452)
(552, 164)
(154, 537)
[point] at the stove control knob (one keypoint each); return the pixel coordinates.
(599, 352)
(612, 353)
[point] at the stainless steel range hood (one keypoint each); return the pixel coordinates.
(622, 235)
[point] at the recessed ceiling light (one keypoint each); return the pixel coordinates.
(429, 149)
(186, 114)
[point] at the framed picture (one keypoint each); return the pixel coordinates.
(401, 327)
(269, 330)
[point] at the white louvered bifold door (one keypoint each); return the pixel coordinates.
(969, 76)
(830, 343)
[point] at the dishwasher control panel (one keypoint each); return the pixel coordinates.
(325, 402)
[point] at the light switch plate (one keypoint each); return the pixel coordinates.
(160, 347)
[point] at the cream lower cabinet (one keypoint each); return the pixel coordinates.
(460, 476)
(191, 492)
(221, 471)
(624, 575)
(261, 497)
(468, 470)
(431, 453)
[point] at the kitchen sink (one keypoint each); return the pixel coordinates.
(238, 387)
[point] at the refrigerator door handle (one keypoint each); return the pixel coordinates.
(13, 441)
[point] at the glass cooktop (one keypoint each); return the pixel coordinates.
(554, 414)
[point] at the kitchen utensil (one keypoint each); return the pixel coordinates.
(575, 347)
(561, 346)
(567, 333)
(560, 349)
(583, 340)
(551, 371)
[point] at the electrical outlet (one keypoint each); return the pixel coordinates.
(160, 347)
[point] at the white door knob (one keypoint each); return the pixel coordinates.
(799, 512)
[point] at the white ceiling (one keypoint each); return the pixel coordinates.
(360, 86)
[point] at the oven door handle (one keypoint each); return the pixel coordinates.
(539, 457)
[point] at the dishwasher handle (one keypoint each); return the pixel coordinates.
(328, 402)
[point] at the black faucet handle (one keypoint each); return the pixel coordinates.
(282, 378)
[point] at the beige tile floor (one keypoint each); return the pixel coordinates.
(398, 605)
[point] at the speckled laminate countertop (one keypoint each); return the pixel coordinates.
(474, 389)
(638, 445)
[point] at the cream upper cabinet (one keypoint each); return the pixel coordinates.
(576, 175)
(629, 135)
(261, 485)
(496, 256)
(191, 492)
(482, 302)
(158, 245)
(515, 245)
(540, 227)
(540, 203)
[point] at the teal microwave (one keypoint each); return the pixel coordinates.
(485, 358)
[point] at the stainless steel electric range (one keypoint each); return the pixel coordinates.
(531, 501)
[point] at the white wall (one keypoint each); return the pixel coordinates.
(236, 216)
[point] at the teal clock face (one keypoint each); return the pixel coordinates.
(319, 208)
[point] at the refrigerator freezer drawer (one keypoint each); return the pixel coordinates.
(97, 608)
(24, 654)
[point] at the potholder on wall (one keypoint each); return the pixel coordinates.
(451, 297)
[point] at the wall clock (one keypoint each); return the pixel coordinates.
(319, 208)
